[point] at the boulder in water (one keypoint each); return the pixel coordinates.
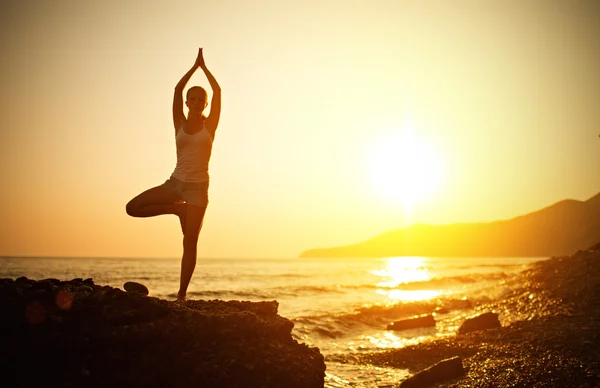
(412, 323)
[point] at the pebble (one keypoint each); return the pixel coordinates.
(136, 288)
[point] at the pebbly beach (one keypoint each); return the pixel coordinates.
(554, 343)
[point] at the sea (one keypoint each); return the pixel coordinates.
(342, 306)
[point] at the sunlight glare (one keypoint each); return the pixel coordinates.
(411, 295)
(404, 270)
(404, 168)
(389, 340)
(400, 270)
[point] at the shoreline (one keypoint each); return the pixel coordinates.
(550, 319)
(554, 345)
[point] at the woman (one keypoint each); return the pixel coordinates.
(185, 193)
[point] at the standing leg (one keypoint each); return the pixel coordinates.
(193, 224)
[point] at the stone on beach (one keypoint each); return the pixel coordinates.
(444, 370)
(412, 323)
(481, 322)
(136, 288)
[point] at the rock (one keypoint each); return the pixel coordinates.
(23, 282)
(111, 338)
(454, 304)
(54, 282)
(85, 289)
(448, 369)
(458, 304)
(136, 288)
(412, 323)
(481, 322)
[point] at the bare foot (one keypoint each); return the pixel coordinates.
(180, 298)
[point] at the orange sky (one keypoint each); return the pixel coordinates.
(503, 93)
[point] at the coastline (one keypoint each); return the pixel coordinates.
(553, 345)
(550, 323)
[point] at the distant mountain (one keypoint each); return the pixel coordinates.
(560, 229)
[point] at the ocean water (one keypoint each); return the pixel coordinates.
(341, 306)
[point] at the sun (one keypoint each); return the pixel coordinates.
(404, 168)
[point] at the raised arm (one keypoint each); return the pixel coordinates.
(212, 121)
(178, 115)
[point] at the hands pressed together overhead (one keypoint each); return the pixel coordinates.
(200, 59)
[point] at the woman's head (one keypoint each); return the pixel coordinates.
(196, 99)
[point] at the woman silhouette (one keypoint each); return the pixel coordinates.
(185, 193)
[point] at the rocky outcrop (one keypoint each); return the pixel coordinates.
(76, 333)
(480, 322)
(412, 323)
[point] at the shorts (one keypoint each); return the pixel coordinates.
(193, 193)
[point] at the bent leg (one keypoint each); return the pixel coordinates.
(193, 224)
(155, 201)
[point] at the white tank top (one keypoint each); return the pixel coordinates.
(193, 155)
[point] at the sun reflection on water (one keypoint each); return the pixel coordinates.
(404, 270)
(389, 340)
(411, 296)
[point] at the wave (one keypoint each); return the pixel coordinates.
(435, 283)
(377, 317)
(289, 275)
(251, 294)
(277, 292)
(267, 293)
(491, 265)
(450, 281)
(115, 279)
(297, 290)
